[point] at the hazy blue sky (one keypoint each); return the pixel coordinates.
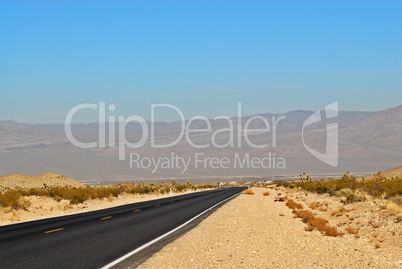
(202, 56)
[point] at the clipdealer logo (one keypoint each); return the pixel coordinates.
(238, 130)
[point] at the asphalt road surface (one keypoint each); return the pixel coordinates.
(96, 239)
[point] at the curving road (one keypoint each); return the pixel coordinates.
(97, 239)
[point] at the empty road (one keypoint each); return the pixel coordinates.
(96, 239)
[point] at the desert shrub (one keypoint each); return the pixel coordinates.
(317, 223)
(76, 195)
(178, 187)
(293, 205)
(394, 208)
(206, 186)
(14, 200)
(10, 199)
(248, 192)
(163, 188)
(379, 186)
(266, 193)
(330, 231)
(305, 215)
(284, 184)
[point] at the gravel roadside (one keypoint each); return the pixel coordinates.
(253, 231)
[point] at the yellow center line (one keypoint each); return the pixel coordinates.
(55, 230)
(137, 210)
(108, 217)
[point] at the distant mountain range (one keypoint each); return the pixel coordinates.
(368, 142)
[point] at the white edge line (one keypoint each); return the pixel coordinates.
(122, 258)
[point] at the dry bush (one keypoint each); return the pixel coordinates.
(394, 208)
(248, 192)
(322, 225)
(10, 199)
(317, 223)
(330, 231)
(305, 215)
(309, 228)
(358, 190)
(266, 193)
(77, 195)
(293, 205)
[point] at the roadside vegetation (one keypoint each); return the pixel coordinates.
(16, 198)
(248, 192)
(380, 191)
(313, 222)
(353, 189)
(293, 205)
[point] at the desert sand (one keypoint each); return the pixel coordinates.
(38, 181)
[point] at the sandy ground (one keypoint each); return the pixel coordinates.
(37, 181)
(254, 231)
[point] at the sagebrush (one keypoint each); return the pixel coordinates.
(14, 198)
